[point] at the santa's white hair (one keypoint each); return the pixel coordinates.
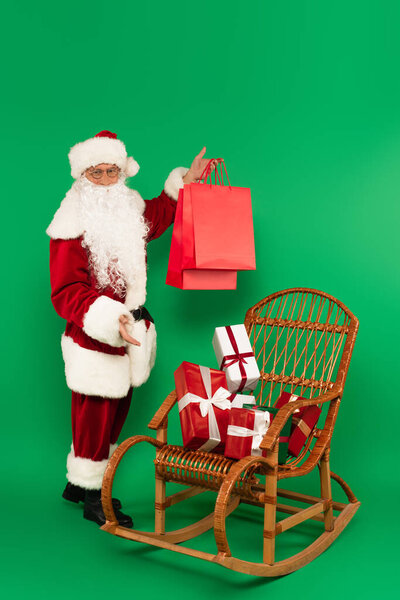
(114, 233)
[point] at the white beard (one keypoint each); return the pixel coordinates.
(114, 234)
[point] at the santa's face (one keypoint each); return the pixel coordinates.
(103, 174)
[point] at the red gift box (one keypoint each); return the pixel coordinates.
(304, 420)
(246, 430)
(204, 406)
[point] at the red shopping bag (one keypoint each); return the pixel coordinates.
(188, 249)
(220, 225)
(208, 279)
(191, 279)
(174, 273)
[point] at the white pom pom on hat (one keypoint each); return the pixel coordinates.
(104, 147)
(132, 167)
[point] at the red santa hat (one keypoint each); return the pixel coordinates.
(102, 148)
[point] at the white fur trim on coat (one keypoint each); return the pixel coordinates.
(101, 321)
(66, 224)
(85, 472)
(136, 294)
(174, 182)
(142, 357)
(98, 150)
(95, 373)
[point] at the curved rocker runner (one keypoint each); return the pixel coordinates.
(303, 340)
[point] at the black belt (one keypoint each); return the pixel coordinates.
(142, 313)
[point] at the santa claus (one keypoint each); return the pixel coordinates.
(98, 281)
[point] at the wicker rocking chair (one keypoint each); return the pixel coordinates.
(303, 340)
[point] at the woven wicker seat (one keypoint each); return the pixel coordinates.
(303, 340)
(204, 469)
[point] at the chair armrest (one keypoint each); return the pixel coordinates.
(288, 409)
(163, 411)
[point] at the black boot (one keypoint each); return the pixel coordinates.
(93, 510)
(75, 493)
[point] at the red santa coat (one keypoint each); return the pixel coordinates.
(98, 362)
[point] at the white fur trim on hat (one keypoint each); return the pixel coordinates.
(98, 150)
(174, 182)
(95, 373)
(101, 322)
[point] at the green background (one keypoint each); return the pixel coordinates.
(302, 100)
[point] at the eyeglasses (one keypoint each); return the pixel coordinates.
(112, 172)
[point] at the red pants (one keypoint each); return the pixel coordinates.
(96, 425)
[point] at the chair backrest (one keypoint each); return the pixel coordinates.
(303, 340)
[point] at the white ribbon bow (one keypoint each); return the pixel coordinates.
(219, 399)
(262, 421)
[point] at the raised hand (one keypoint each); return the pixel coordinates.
(197, 167)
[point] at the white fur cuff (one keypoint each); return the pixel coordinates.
(85, 472)
(175, 182)
(101, 321)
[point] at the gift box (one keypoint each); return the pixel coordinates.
(235, 356)
(304, 421)
(285, 433)
(204, 406)
(246, 429)
(286, 397)
(238, 400)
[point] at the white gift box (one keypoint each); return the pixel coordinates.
(235, 356)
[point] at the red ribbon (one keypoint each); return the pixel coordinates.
(237, 357)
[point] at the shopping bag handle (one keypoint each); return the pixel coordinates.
(207, 172)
